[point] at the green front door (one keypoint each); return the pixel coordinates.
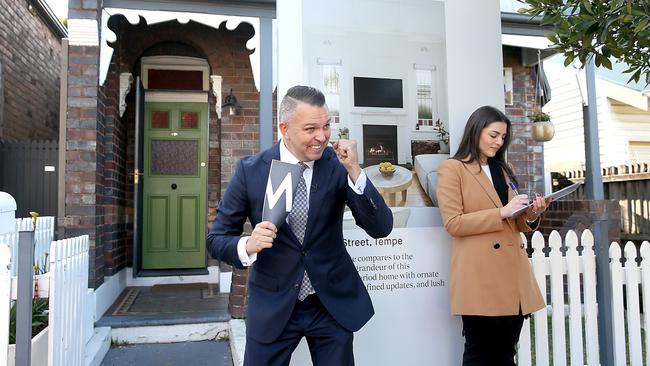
(175, 185)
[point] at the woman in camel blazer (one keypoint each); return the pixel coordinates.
(492, 285)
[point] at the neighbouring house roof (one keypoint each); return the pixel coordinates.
(616, 76)
(615, 83)
(46, 13)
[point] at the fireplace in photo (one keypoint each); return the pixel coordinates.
(379, 144)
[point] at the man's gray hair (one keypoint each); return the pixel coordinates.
(299, 93)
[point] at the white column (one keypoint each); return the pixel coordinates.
(291, 68)
(474, 60)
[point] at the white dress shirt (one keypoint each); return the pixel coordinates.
(287, 157)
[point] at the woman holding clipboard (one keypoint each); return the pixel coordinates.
(492, 285)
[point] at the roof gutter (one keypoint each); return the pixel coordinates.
(523, 25)
(50, 18)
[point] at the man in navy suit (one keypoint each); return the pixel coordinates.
(285, 266)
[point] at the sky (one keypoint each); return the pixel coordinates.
(60, 7)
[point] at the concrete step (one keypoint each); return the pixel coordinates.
(216, 353)
(168, 313)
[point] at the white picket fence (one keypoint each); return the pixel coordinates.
(5, 300)
(43, 234)
(580, 315)
(574, 274)
(68, 284)
(633, 276)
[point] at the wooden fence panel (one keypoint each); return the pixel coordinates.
(23, 175)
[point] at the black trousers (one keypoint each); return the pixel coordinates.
(329, 343)
(491, 340)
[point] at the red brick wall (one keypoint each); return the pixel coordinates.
(525, 154)
(30, 63)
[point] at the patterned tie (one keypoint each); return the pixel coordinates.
(298, 222)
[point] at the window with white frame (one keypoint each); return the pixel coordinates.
(331, 80)
(425, 94)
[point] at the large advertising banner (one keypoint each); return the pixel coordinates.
(406, 275)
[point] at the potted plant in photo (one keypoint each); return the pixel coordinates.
(443, 136)
(542, 128)
(344, 133)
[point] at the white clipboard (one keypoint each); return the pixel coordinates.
(555, 196)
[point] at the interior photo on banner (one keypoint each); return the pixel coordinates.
(384, 82)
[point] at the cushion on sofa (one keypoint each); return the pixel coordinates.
(426, 166)
(426, 163)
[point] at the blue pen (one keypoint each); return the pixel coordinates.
(514, 189)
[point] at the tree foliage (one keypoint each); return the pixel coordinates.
(606, 29)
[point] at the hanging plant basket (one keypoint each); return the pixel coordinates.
(543, 129)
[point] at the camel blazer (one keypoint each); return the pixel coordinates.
(489, 270)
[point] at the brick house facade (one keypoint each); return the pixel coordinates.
(101, 143)
(525, 154)
(30, 66)
(527, 158)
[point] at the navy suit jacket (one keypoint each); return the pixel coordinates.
(274, 279)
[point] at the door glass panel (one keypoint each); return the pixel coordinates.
(175, 79)
(174, 157)
(160, 119)
(189, 120)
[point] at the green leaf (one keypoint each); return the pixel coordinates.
(606, 62)
(568, 60)
(642, 24)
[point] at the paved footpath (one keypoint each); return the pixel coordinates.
(170, 354)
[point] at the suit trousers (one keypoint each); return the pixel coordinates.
(491, 340)
(329, 343)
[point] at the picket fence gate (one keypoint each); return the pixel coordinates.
(68, 285)
(580, 316)
(43, 236)
(68, 282)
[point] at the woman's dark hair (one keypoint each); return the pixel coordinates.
(469, 144)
